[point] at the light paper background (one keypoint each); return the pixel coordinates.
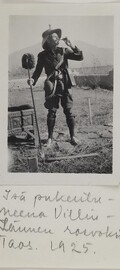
(59, 1)
(49, 9)
(103, 251)
(113, 250)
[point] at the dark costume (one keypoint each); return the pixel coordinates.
(48, 60)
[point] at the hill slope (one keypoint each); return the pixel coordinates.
(93, 56)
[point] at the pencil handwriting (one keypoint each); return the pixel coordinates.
(85, 197)
(55, 221)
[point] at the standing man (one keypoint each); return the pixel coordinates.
(54, 60)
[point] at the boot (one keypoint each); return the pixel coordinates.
(74, 141)
(49, 142)
(50, 124)
(71, 126)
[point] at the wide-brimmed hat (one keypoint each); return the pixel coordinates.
(48, 32)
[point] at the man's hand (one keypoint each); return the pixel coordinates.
(30, 81)
(68, 42)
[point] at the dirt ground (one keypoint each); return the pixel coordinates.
(95, 138)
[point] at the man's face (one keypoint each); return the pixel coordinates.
(53, 40)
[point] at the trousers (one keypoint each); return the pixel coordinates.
(52, 105)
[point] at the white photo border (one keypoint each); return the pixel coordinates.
(107, 9)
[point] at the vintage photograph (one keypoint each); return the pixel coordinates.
(60, 94)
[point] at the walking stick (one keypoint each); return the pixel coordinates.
(28, 62)
(39, 138)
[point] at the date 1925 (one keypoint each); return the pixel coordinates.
(74, 247)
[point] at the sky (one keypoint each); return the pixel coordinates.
(25, 31)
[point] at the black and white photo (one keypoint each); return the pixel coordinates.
(60, 94)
